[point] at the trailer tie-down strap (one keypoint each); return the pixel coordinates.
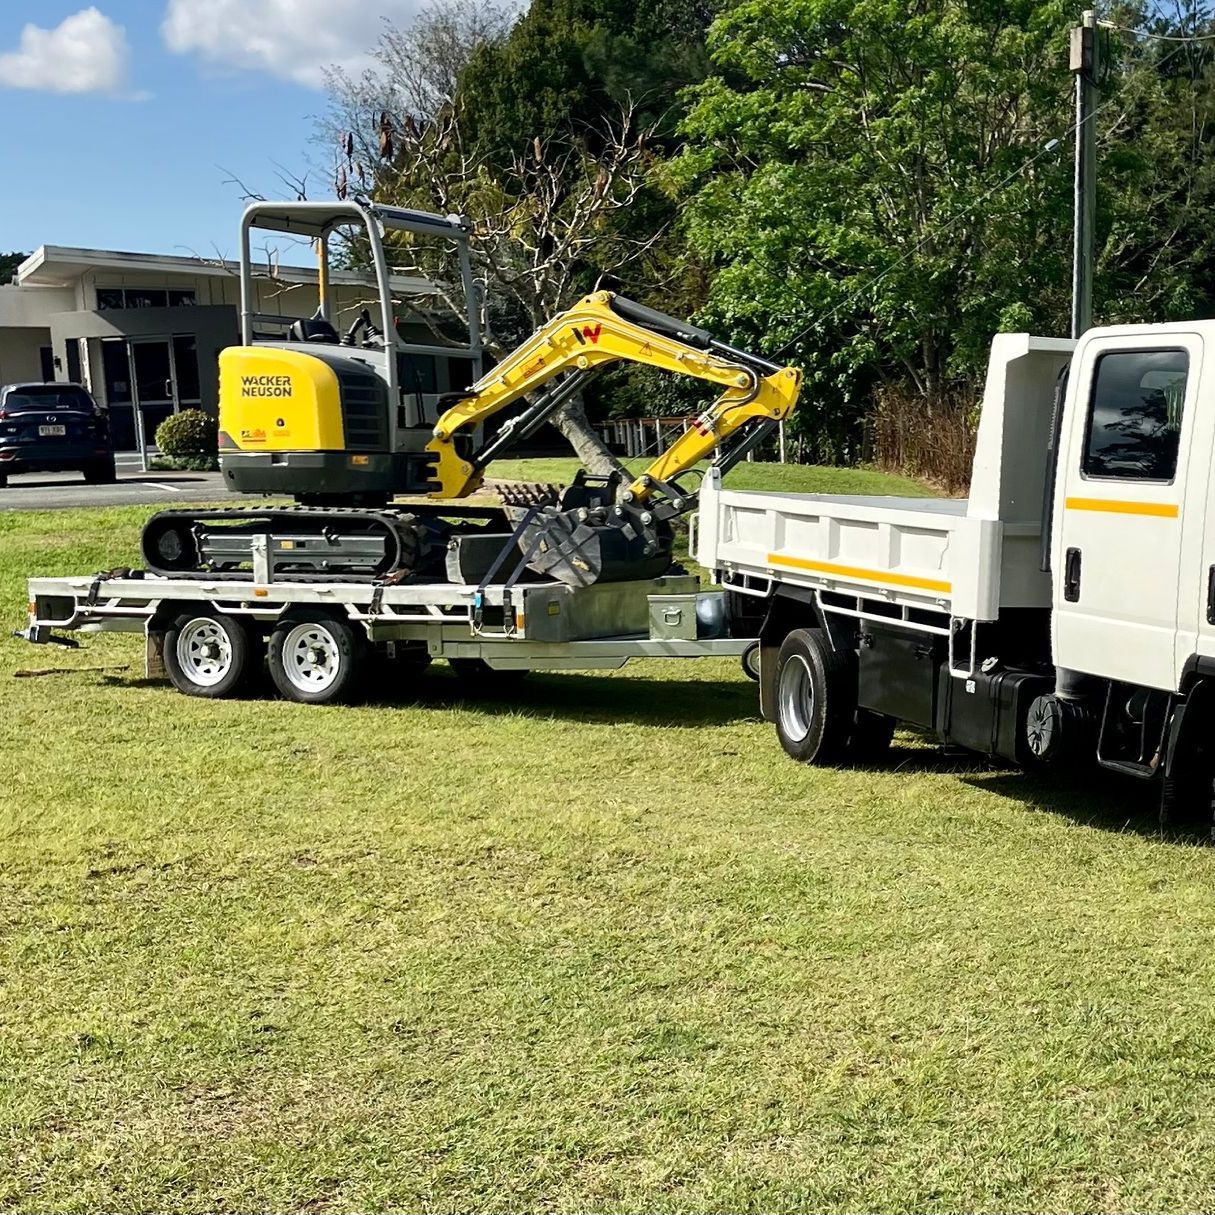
(104, 576)
(499, 561)
(377, 599)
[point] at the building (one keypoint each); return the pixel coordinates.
(144, 331)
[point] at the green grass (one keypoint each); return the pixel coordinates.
(602, 948)
(801, 478)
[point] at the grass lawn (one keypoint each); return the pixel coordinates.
(799, 478)
(601, 948)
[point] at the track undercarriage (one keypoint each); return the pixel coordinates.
(578, 536)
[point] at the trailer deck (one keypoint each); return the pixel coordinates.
(533, 626)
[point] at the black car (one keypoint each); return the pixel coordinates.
(54, 428)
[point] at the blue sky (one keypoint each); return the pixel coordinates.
(120, 119)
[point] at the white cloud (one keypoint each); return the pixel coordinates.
(84, 53)
(293, 39)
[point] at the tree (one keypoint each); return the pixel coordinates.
(8, 265)
(874, 185)
(547, 225)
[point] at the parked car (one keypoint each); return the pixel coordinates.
(54, 428)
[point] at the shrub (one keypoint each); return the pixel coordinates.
(190, 435)
(935, 442)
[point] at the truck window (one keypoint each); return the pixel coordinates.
(1134, 425)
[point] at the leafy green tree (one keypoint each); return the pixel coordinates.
(8, 265)
(876, 185)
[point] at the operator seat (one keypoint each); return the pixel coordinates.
(316, 329)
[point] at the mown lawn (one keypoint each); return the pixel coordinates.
(603, 948)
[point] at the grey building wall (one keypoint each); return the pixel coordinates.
(215, 327)
(20, 354)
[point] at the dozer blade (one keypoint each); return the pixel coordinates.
(582, 547)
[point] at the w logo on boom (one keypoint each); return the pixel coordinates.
(592, 332)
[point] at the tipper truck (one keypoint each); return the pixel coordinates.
(1062, 614)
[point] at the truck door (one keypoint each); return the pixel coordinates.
(1117, 552)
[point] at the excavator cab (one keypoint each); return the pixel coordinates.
(329, 412)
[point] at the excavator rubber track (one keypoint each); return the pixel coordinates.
(304, 542)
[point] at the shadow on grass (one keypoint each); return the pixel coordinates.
(1090, 797)
(583, 697)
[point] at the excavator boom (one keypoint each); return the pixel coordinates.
(599, 330)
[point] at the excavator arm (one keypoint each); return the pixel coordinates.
(558, 360)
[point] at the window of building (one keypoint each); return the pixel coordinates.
(113, 298)
(1134, 426)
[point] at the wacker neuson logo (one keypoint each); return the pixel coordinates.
(265, 386)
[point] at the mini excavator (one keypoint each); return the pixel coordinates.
(345, 422)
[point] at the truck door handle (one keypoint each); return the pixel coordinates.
(1071, 576)
(1211, 595)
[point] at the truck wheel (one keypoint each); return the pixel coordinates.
(209, 654)
(1187, 794)
(477, 675)
(815, 698)
(316, 658)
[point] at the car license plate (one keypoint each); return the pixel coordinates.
(52, 430)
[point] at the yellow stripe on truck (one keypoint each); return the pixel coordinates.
(1112, 506)
(856, 571)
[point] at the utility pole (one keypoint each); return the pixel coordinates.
(1085, 67)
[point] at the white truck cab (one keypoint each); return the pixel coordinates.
(1064, 610)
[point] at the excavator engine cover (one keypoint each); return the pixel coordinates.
(313, 424)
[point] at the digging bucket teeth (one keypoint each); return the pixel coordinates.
(584, 546)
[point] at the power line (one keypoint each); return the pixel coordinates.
(1048, 147)
(1182, 38)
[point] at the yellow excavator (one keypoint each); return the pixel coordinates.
(345, 422)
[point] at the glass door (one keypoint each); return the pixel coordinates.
(154, 387)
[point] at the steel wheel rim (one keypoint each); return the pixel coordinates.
(204, 652)
(312, 658)
(796, 697)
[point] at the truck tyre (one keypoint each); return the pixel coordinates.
(209, 654)
(815, 698)
(478, 676)
(316, 658)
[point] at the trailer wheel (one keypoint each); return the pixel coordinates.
(209, 654)
(750, 661)
(316, 658)
(815, 698)
(477, 675)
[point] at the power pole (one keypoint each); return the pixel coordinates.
(1084, 66)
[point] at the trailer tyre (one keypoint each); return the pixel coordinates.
(750, 661)
(316, 658)
(209, 654)
(815, 698)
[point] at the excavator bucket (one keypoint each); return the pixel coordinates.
(587, 545)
